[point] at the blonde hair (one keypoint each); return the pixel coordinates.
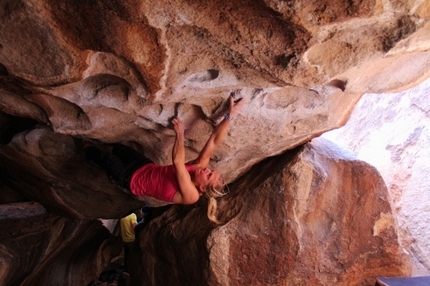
(216, 189)
(213, 192)
(212, 211)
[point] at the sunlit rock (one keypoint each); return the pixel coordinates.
(391, 132)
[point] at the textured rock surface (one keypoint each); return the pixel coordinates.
(59, 178)
(321, 218)
(35, 247)
(119, 71)
(391, 132)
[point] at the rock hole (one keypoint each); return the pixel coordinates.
(3, 69)
(207, 75)
(339, 83)
(284, 60)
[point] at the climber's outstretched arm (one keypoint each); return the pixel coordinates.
(218, 134)
(187, 193)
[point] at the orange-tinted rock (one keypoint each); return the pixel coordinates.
(390, 131)
(321, 217)
(119, 71)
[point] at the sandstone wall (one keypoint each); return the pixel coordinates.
(118, 71)
(38, 248)
(391, 132)
(320, 218)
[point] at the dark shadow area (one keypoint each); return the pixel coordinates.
(3, 69)
(11, 125)
(8, 195)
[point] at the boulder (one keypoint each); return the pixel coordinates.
(391, 132)
(321, 217)
(106, 72)
(38, 248)
(58, 177)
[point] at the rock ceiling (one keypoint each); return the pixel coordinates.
(108, 72)
(119, 71)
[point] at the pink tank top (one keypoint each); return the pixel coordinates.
(156, 181)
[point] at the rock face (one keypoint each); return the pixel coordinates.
(35, 247)
(395, 140)
(125, 75)
(119, 71)
(321, 218)
(59, 178)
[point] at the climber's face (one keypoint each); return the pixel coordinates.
(205, 177)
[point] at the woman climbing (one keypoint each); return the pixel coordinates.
(179, 183)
